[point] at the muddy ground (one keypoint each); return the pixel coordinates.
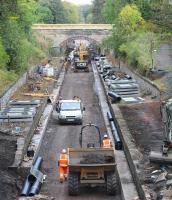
(144, 122)
(58, 137)
(146, 127)
(9, 186)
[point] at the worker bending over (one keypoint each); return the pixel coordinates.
(63, 165)
(106, 143)
(76, 98)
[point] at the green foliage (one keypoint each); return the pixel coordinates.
(72, 12)
(16, 43)
(111, 10)
(97, 12)
(44, 14)
(6, 78)
(26, 52)
(157, 11)
(4, 58)
(27, 14)
(139, 50)
(85, 14)
(130, 19)
(57, 10)
(132, 37)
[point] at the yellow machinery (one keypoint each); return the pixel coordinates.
(91, 166)
(81, 59)
(83, 53)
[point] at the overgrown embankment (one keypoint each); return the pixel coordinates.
(138, 30)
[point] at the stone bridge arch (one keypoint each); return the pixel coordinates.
(70, 41)
(63, 34)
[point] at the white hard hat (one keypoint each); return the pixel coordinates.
(64, 151)
(105, 136)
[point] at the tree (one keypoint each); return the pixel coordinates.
(16, 20)
(4, 58)
(85, 13)
(97, 12)
(111, 10)
(130, 19)
(71, 12)
(57, 10)
(44, 14)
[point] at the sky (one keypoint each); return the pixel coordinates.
(79, 2)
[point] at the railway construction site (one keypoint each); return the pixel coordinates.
(138, 129)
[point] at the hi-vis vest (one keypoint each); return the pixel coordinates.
(63, 161)
(106, 143)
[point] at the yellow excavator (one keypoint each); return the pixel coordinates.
(81, 59)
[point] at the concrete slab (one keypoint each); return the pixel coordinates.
(158, 157)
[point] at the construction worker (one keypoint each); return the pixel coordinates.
(63, 165)
(106, 143)
(76, 98)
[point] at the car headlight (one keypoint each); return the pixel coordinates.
(62, 116)
(79, 117)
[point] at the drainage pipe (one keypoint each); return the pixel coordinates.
(26, 187)
(115, 97)
(33, 182)
(118, 143)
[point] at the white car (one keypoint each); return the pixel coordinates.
(70, 111)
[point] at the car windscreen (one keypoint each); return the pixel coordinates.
(70, 106)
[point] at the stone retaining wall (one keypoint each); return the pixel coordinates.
(7, 94)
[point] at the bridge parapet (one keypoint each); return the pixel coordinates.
(72, 26)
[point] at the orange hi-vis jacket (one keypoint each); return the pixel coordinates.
(106, 143)
(63, 161)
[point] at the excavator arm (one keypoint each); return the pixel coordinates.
(166, 112)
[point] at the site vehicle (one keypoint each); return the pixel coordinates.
(97, 60)
(91, 166)
(70, 111)
(166, 154)
(81, 59)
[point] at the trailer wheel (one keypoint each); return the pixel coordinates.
(73, 184)
(111, 183)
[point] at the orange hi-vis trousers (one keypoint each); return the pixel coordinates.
(63, 167)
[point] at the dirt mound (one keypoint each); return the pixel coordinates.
(96, 159)
(9, 185)
(8, 179)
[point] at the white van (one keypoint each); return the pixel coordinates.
(70, 111)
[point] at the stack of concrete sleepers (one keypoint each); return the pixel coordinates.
(19, 111)
(128, 90)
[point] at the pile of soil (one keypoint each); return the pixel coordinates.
(9, 184)
(96, 159)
